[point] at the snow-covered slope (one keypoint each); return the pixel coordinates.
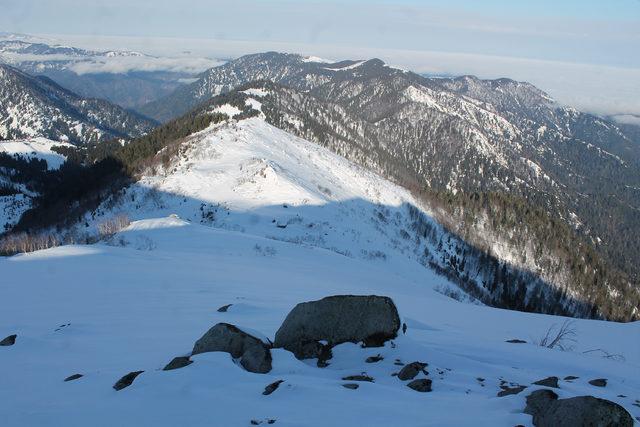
(103, 311)
(38, 107)
(250, 215)
(36, 148)
(17, 196)
(252, 177)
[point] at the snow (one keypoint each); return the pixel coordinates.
(40, 148)
(146, 295)
(256, 91)
(229, 110)
(316, 59)
(347, 67)
(135, 310)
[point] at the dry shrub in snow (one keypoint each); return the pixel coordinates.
(111, 226)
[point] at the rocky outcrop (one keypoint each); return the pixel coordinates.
(177, 363)
(126, 380)
(548, 382)
(410, 370)
(254, 354)
(10, 340)
(547, 411)
(371, 320)
(422, 385)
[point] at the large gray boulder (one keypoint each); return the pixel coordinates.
(254, 354)
(548, 410)
(338, 319)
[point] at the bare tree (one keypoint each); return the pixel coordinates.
(562, 337)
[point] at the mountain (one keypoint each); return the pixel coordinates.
(246, 216)
(23, 165)
(125, 78)
(454, 135)
(36, 106)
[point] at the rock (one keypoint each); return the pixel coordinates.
(253, 353)
(516, 341)
(599, 382)
(224, 308)
(336, 320)
(506, 391)
(351, 386)
(10, 340)
(548, 382)
(362, 377)
(570, 378)
(548, 410)
(374, 359)
(422, 385)
(177, 363)
(73, 377)
(272, 387)
(412, 369)
(127, 380)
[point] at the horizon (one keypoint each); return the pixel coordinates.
(578, 52)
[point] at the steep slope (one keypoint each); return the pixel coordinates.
(454, 135)
(31, 107)
(211, 190)
(23, 164)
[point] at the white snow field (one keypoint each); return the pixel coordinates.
(39, 148)
(13, 206)
(263, 221)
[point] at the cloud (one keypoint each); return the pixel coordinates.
(595, 88)
(118, 64)
(126, 64)
(628, 119)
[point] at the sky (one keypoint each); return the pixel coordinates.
(584, 53)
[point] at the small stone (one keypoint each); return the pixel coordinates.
(412, 369)
(374, 359)
(570, 378)
(127, 380)
(506, 391)
(10, 340)
(73, 377)
(548, 382)
(177, 363)
(224, 308)
(599, 382)
(362, 377)
(351, 386)
(422, 385)
(272, 387)
(516, 341)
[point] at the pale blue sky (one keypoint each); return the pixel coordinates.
(543, 41)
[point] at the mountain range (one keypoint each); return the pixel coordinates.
(454, 135)
(525, 188)
(123, 77)
(36, 106)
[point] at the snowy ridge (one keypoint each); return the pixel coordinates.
(38, 148)
(36, 107)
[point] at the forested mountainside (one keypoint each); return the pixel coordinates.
(38, 107)
(497, 247)
(526, 188)
(458, 134)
